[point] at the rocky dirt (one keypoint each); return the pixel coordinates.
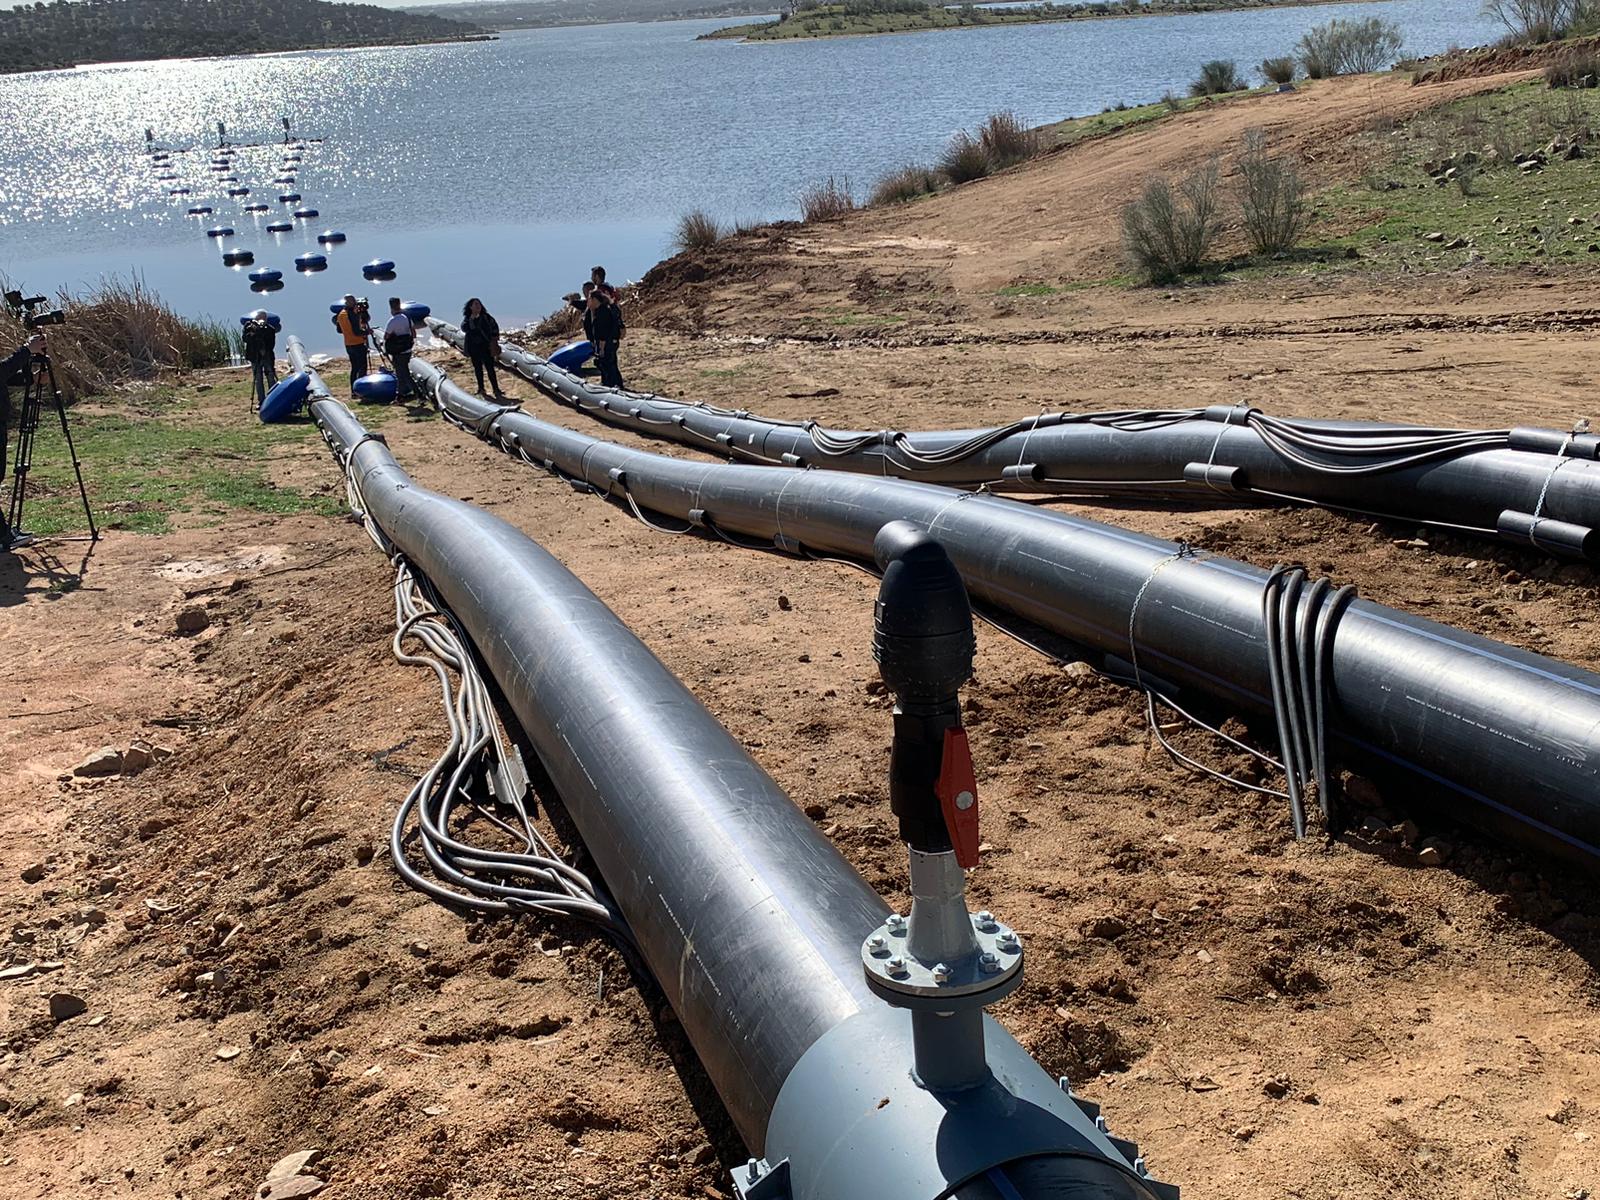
(210, 963)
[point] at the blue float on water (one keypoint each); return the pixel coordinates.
(266, 275)
(416, 312)
(271, 318)
(177, 191)
(573, 355)
(220, 231)
(238, 258)
(289, 198)
(199, 210)
(283, 401)
(330, 237)
(279, 227)
(239, 191)
(379, 385)
(311, 262)
(255, 208)
(305, 214)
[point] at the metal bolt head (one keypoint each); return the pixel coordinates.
(989, 961)
(941, 973)
(1009, 941)
(985, 917)
(895, 966)
(895, 923)
(877, 943)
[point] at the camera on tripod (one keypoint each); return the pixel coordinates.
(26, 308)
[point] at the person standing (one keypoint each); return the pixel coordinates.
(605, 328)
(398, 339)
(355, 331)
(260, 351)
(15, 369)
(481, 333)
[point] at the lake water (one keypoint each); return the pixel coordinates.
(505, 169)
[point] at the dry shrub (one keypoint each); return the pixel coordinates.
(964, 159)
(1574, 69)
(696, 230)
(1272, 198)
(1216, 77)
(1541, 20)
(1278, 70)
(1168, 231)
(907, 183)
(118, 331)
(1349, 47)
(828, 200)
(1006, 140)
(562, 322)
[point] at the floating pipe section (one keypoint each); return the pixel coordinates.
(1515, 733)
(1537, 487)
(747, 916)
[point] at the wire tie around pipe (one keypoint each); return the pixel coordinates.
(1544, 490)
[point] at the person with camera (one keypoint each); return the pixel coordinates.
(260, 351)
(398, 339)
(355, 329)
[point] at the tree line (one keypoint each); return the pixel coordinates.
(65, 33)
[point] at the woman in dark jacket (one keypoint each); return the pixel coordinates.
(482, 333)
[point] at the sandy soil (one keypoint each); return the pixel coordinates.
(1266, 1018)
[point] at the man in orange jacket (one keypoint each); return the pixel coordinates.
(356, 331)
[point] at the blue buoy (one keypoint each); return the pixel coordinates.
(415, 311)
(572, 356)
(330, 237)
(289, 198)
(305, 214)
(379, 385)
(271, 318)
(238, 258)
(271, 285)
(266, 275)
(167, 178)
(256, 208)
(220, 231)
(228, 179)
(239, 191)
(283, 401)
(284, 179)
(379, 266)
(199, 210)
(279, 227)
(311, 262)
(336, 309)
(177, 191)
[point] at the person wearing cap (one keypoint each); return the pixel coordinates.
(355, 330)
(398, 339)
(260, 351)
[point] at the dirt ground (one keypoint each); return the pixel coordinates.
(1266, 1018)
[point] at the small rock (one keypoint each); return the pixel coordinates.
(136, 758)
(92, 917)
(149, 827)
(228, 1053)
(291, 1165)
(1277, 1087)
(21, 971)
(1434, 853)
(33, 873)
(783, 604)
(1244, 1133)
(436, 1110)
(420, 949)
(107, 884)
(364, 853)
(1204, 956)
(64, 1006)
(1457, 244)
(193, 619)
(1435, 236)
(1407, 832)
(1107, 928)
(105, 761)
(162, 753)
(701, 1155)
(72, 1101)
(1079, 670)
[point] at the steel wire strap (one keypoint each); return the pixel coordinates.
(477, 774)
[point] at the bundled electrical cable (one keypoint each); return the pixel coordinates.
(1537, 487)
(477, 774)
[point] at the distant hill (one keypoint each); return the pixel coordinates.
(37, 37)
(531, 14)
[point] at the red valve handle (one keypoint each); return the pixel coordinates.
(958, 796)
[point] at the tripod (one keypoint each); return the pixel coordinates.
(42, 375)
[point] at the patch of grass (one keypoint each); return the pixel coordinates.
(1032, 288)
(158, 455)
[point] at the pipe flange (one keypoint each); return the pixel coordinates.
(894, 973)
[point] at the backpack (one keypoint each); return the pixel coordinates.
(258, 340)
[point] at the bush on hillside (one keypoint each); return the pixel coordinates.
(907, 183)
(696, 230)
(119, 331)
(1349, 47)
(1574, 69)
(1006, 140)
(828, 200)
(1168, 231)
(964, 159)
(1272, 198)
(1216, 77)
(1278, 70)
(1542, 20)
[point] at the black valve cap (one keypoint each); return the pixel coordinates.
(922, 627)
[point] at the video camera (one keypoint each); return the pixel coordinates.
(26, 308)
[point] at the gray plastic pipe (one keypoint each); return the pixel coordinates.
(1512, 736)
(749, 919)
(1538, 487)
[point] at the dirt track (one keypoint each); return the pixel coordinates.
(1267, 1019)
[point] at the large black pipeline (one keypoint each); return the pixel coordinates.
(749, 919)
(1533, 486)
(1514, 733)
